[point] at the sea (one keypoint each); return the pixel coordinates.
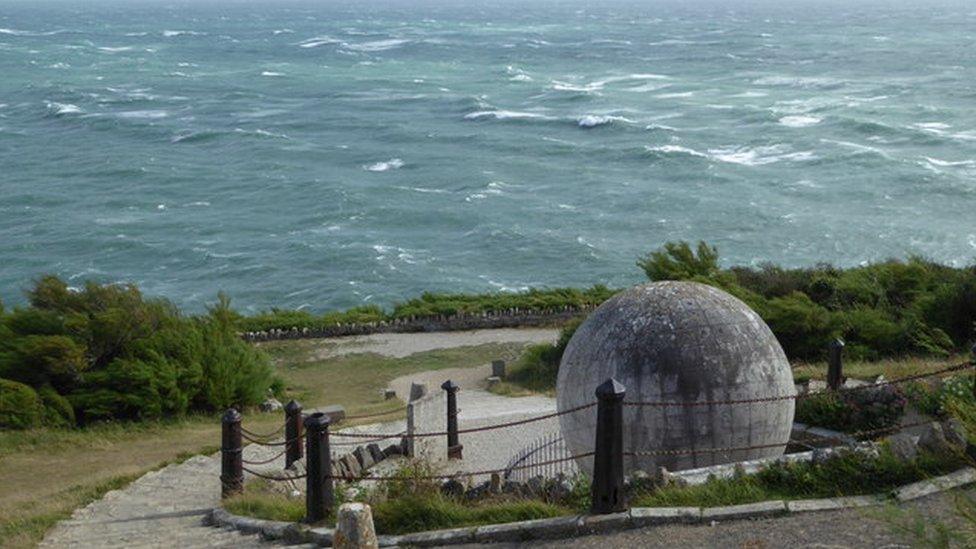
(321, 154)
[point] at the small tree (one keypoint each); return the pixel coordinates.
(677, 261)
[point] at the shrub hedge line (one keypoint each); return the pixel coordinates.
(104, 352)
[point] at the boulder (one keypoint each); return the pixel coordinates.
(452, 488)
(351, 464)
(363, 457)
(933, 439)
(496, 483)
(560, 488)
(954, 432)
(903, 447)
(393, 450)
(375, 452)
(417, 391)
(271, 404)
(536, 485)
(354, 528)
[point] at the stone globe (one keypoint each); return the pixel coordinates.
(690, 346)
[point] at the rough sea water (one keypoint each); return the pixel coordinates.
(326, 154)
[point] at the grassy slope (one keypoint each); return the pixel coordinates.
(45, 474)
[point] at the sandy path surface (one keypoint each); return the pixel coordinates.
(403, 345)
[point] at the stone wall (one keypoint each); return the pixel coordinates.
(513, 318)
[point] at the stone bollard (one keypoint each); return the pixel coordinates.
(454, 447)
(293, 432)
(498, 369)
(835, 372)
(354, 528)
(319, 486)
(417, 391)
(231, 464)
(607, 491)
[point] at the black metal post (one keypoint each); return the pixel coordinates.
(607, 491)
(293, 432)
(319, 492)
(454, 447)
(835, 366)
(231, 466)
(972, 360)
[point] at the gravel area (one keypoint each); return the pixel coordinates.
(403, 345)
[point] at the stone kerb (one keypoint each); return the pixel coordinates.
(428, 414)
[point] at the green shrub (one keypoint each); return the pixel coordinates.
(105, 352)
(538, 367)
(20, 407)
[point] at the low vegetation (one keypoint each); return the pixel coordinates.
(104, 352)
(851, 474)
(852, 411)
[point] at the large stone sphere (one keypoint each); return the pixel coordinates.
(679, 342)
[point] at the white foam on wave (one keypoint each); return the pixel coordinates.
(109, 49)
(594, 120)
(798, 81)
(506, 115)
(948, 163)
(597, 85)
(744, 156)
(282, 31)
(750, 94)
(376, 45)
(16, 32)
(676, 149)
(272, 73)
(319, 41)
(60, 109)
(175, 33)
(424, 190)
(674, 95)
(800, 121)
(858, 147)
(392, 164)
(143, 115)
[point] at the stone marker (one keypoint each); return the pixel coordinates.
(417, 391)
(389, 394)
(354, 528)
(498, 369)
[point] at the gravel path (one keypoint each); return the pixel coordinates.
(403, 345)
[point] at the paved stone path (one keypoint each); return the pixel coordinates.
(166, 508)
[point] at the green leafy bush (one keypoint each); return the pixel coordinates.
(538, 367)
(20, 407)
(105, 352)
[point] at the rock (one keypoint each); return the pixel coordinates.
(868, 450)
(498, 368)
(821, 455)
(389, 394)
(364, 458)
(351, 465)
(354, 528)
(934, 440)
(271, 405)
(816, 386)
(493, 381)
(954, 432)
(639, 480)
(496, 483)
(512, 487)
(560, 489)
(417, 391)
(393, 450)
(452, 488)
(903, 447)
(375, 452)
(478, 491)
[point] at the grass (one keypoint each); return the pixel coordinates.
(891, 368)
(849, 475)
(46, 473)
(261, 501)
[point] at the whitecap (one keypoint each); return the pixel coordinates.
(376, 45)
(506, 115)
(109, 49)
(318, 41)
(161, 207)
(174, 33)
(593, 120)
(392, 164)
(750, 94)
(798, 81)
(947, 163)
(660, 127)
(799, 121)
(282, 31)
(271, 73)
(759, 156)
(60, 109)
(143, 115)
(424, 190)
(676, 149)
(521, 78)
(199, 204)
(674, 95)
(858, 147)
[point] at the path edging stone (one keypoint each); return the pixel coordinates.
(578, 525)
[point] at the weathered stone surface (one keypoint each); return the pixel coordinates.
(934, 440)
(363, 457)
(923, 488)
(389, 394)
(903, 447)
(452, 487)
(684, 342)
(648, 516)
(748, 510)
(417, 391)
(954, 432)
(438, 537)
(498, 369)
(595, 524)
(393, 450)
(354, 527)
(552, 528)
(351, 465)
(334, 412)
(375, 452)
(829, 504)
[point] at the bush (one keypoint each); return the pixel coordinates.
(538, 367)
(20, 407)
(105, 352)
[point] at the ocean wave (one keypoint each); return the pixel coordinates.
(62, 109)
(319, 41)
(16, 32)
(506, 115)
(424, 190)
(260, 133)
(196, 137)
(392, 164)
(376, 45)
(948, 163)
(675, 95)
(744, 156)
(799, 121)
(143, 115)
(859, 148)
(593, 120)
(175, 33)
(272, 73)
(597, 85)
(816, 82)
(282, 31)
(109, 49)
